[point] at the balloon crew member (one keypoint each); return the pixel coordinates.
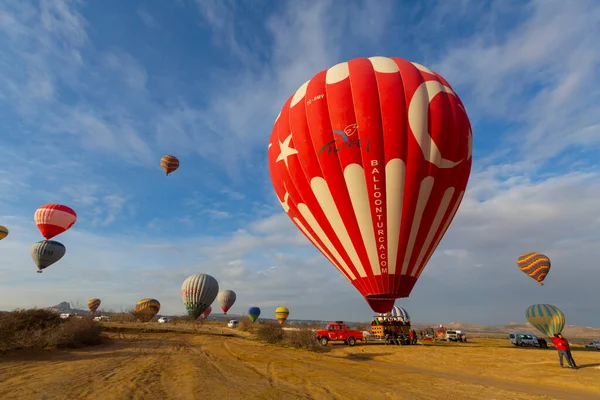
(562, 346)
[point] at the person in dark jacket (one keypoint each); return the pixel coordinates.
(564, 350)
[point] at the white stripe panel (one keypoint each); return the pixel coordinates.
(55, 217)
(424, 192)
(325, 199)
(354, 174)
(318, 246)
(434, 227)
(395, 174)
(439, 239)
(312, 222)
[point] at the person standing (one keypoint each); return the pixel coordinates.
(562, 346)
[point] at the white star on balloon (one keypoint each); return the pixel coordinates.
(286, 150)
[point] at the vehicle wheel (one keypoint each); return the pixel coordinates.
(351, 341)
(324, 341)
(522, 345)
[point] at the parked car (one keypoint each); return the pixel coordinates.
(102, 318)
(163, 320)
(232, 323)
(523, 339)
(594, 344)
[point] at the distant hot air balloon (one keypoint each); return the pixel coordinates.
(370, 159)
(54, 219)
(146, 309)
(93, 305)
(535, 265)
(206, 313)
(282, 313)
(546, 318)
(47, 252)
(400, 312)
(169, 164)
(226, 299)
(198, 292)
(3, 232)
(253, 313)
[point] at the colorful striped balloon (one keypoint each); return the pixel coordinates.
(253, 313)
(54, 219)
(535, 265)
(546, 318)
(400, 312)
(198, 292)
(3, 232)
(47, 252)
(169, 164)
(93, 305)
(282, 313)
(146, 309)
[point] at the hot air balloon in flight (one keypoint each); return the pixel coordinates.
(198, 292)
(54, 219)
(226, 299)
(93, 305)
(169, 164)
(3, 232)
(370, 159)
(282, 313)
(206, 313)
(546, 318)
(253, 313)
(146, 309)
(535, 265)
(47, 252)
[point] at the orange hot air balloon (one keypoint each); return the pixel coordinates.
(370, 159)
(169, 164)
(535, 265)
(54, 219)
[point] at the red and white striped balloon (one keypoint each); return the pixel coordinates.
(54, 219)
(370, 159)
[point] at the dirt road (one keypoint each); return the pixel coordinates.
(212, 366)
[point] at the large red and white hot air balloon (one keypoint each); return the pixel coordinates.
(370, 159)
(54, 219)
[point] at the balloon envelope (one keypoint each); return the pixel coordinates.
(147, 308)
(93, 305)
(535, 265)
(253, 313)
(54, 219)
(282, 313)
(226, 299)
(400, 312)
(370, 159)
(47, 252)
(198, 292)
(206, 313)
(546, 318)
(169, 164)
(3, 232)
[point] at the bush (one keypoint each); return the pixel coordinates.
(270, 333)
(244, 324)
(40, 328)
(302, 339)
(122, 317)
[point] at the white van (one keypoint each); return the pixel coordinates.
(523, 339)
(594, 344)
(232, 323)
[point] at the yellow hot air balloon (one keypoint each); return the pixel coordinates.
(547, 318)
(282, 313)
(146, 309)
(93, 305)
(169, 163)
(3, 232)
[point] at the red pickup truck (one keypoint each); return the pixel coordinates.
(338, 331)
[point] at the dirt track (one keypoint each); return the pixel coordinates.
(210, 365)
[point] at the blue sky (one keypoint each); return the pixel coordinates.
(92, 94)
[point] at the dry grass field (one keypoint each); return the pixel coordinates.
(152, 361)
